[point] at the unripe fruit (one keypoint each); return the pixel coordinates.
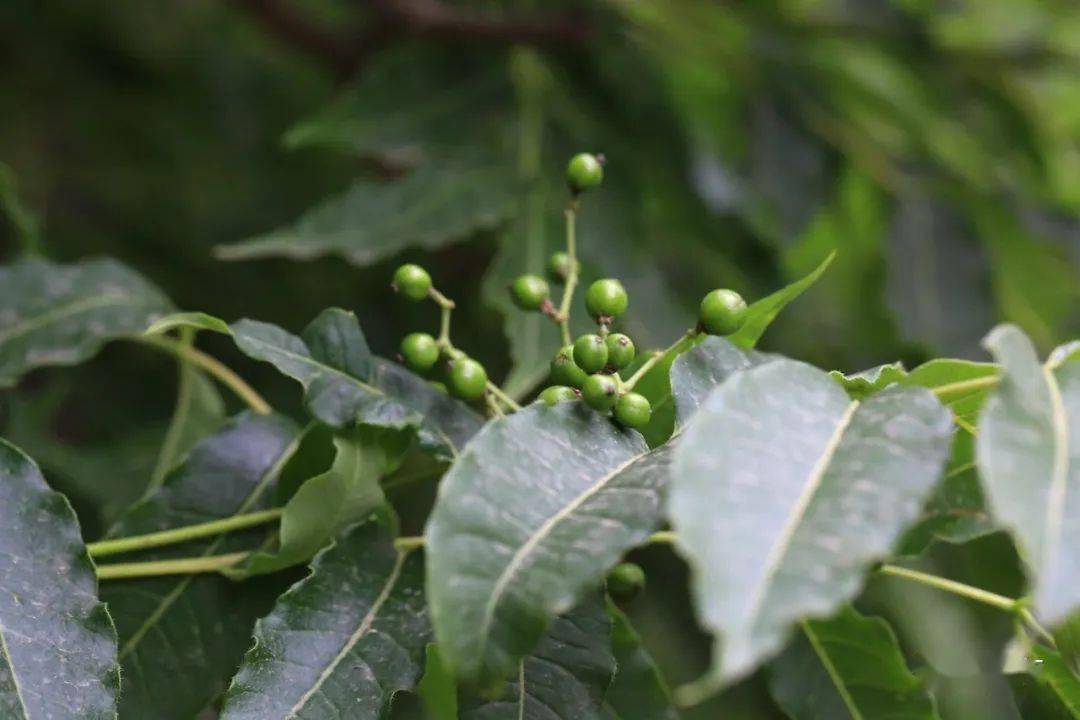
(620, 350)
(590, 353)
(600, 392)
(722, 312)
(529, 291)
(412, 281)
(584, 171)
(625, 581)
(467, 379)
(633, 410)
(420, 351)
(557, 394)
(564, 371)
(558, 267)
(606, 298)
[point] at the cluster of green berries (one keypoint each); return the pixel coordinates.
(589, 363)
(465, 378)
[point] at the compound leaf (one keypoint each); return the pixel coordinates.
(849, 666)
(531, 516)
(53, 314)
(182, 637)
(57, 642)
(342, 641)
(1028, 454)
(784, 490)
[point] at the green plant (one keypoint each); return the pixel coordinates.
(793, 494)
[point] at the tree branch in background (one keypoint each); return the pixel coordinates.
(344, 53)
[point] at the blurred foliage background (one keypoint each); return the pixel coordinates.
(268, 158)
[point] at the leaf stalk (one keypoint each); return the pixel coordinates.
(104, 548)
(211, 365)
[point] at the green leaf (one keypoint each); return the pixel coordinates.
(694, 367)
(564, 678)
(638, 691)
(57, 642)
(784, 490)
(182, 637)
(344, 383)
(341, 642)
(437, 689)
(849, 666)
(432, 206)
(326, 504)
(760, 314)
(199, 411)
(1027, 457)
(63, 314)
(862, 385)
(531, 516)
(1049, 690)
(961, 385)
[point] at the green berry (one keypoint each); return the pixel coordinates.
(600, 392)
(590, 353)
(420, 351)
(564, 371)
(557, 394)
(467, 379)
(558, 267)
(620, 350)
(412, 281)
(584, 171)
(529, 292)
(625, 581)
(722, 312)
(633, 410)
(606, 298)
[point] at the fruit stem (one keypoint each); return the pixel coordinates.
(104, 548)
(447, 306)
(503, 397)
(563, 317)
(183, 566)
(211, 365)
(657, 356)
(493, 406)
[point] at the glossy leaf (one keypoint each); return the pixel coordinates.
(1049, 690)
(761, 313)
(55, 314)
(432, 206)
(638, 691)
(849, 666)
(324, 505)
(564, 678)
(531, 516)
(342, 641)
(57, 641)
(784, 490)
(1028, 453)
(961, 385)
(344, 383)
(182, 637)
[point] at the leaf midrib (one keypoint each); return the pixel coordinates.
(787, 533)
(1055, 498)
(177, 591)
(63, 312)
(361, 630)
(14, 676)
(834, 674)
(538, 535)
